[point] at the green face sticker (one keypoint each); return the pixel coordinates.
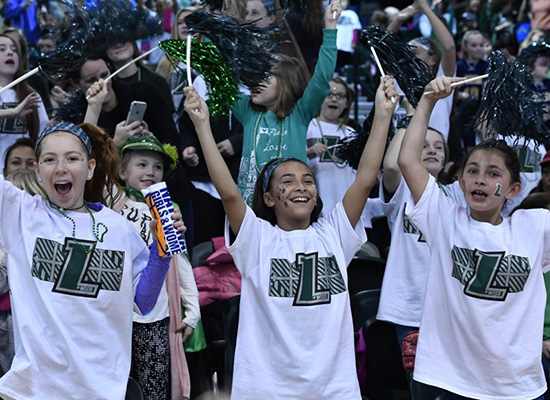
(497, 191)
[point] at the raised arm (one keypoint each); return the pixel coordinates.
(401, 17)
(97, 94)
(318, 86)
(444, 37)
(357, 194)
(411, 149)
(233, 203)
(392, 174)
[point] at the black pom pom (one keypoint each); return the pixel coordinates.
(249, 51)
(353, 145)
(509, 107)
(213, 5)
(114, 22)
(72, 110)
(533, 51)
(72, 43)
(399, 61)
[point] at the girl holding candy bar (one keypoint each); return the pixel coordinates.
(76, 270)
(145, 163)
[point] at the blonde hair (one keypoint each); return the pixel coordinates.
(529, 39)
(26, 180)
(467, 37)
(164, 68)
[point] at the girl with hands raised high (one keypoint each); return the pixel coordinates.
(485, 288)
(283, 240)
(275, 118)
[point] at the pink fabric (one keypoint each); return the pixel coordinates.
(167, 20)
(179, 373)
(361, 360)
(219, 278)
(5, 304)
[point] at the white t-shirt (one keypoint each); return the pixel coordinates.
(139, 216)
(295, 337)
(332, 175)
(373, 209)
(72, 312)
(347, 23)
(530, 157)
(483, 316)
(12, 129)
(404, 284)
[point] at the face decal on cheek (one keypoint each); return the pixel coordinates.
(498, 190)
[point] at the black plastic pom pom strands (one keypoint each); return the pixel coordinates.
(92, 29)
(249, 51)
(509, 107)
(399, 61)
(533, 51)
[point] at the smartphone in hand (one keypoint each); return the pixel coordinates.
(136, 112)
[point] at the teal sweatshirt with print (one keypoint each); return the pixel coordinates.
(265, 128)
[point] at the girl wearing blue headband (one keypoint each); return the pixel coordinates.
(76, 271)
(295, 322)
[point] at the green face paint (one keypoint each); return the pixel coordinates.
(497, 191)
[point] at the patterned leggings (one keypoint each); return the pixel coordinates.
(151, 359)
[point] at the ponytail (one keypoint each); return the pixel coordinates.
(103, 187)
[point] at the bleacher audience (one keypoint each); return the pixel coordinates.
(464, 264)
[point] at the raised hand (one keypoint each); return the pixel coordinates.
(26, 106)
(332, 14)
(196, 106)
(386, 96)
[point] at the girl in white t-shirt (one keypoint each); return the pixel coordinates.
(483, 312)
(440, 58)
(408, 260)
(333, 176)
(295, 336)
(76, 271)
(22, 113)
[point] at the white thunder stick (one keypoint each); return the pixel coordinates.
(188, 60)
(379, 66)
(455, 84)
(20, 79)
(126, 66)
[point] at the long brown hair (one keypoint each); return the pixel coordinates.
(103, 187)
(292, 78)
(22, 89)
